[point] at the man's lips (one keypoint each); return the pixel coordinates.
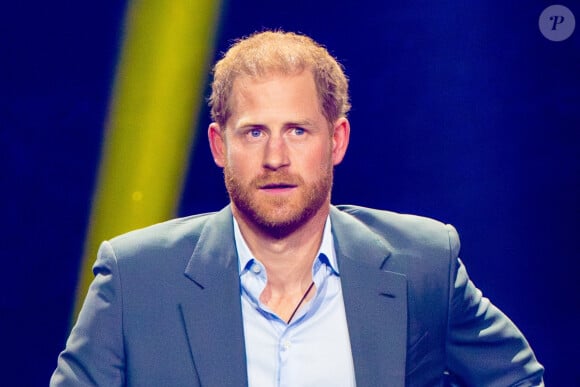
(277, 183)
(277, 187)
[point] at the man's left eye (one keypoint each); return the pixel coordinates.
(299, 131)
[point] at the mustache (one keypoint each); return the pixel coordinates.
(267, 179)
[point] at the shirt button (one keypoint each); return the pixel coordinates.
(286, 345)
(256, 268)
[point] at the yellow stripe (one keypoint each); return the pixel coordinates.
(156, 100)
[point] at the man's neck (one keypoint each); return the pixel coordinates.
(288, 260)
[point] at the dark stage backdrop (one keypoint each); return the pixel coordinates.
(464, 112)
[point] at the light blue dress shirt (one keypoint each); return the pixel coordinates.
(314, 349)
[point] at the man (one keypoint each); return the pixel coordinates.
(281, 288)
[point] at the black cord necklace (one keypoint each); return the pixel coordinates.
(300, 302)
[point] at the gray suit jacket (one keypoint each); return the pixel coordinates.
(164, 309)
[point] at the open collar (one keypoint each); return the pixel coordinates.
(375, 304)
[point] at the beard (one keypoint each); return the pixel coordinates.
(279, 216)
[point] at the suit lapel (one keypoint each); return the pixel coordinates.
(375, 303)
(212, 316)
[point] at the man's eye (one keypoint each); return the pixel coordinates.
(299, 131)
(255, 133)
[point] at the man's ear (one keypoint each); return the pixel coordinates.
(217, 144)
(340, 139)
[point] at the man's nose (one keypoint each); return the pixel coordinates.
(276, 153)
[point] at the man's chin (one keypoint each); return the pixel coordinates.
(278, 220)
(275, 221)
(280, 228)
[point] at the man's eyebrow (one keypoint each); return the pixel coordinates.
(245, 126)
(288, 124)
(299, 123)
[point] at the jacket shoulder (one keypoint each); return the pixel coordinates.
(405, 231)
(171, 234)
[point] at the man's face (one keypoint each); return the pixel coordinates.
(278, 151)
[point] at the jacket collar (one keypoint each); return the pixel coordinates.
(213, 315)
(375, 303)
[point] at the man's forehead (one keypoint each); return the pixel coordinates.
(243, 81)
(246, 89)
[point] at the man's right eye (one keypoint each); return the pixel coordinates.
(255, 133)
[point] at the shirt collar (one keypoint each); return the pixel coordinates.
(326, 253)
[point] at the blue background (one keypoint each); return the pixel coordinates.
(462, 112)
